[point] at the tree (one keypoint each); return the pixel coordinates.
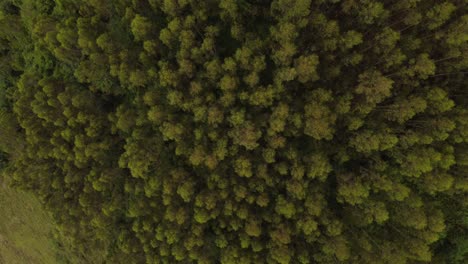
(250, 131)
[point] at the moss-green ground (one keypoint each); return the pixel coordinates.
(26, 231)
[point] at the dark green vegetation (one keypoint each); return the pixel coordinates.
(242, 131)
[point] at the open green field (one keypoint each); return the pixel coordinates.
(26, 231)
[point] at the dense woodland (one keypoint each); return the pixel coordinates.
(242, 131)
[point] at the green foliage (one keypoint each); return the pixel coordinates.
(285, 131)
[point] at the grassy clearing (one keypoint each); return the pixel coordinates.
(26, 231)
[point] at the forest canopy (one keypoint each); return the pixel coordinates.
(242, 131)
